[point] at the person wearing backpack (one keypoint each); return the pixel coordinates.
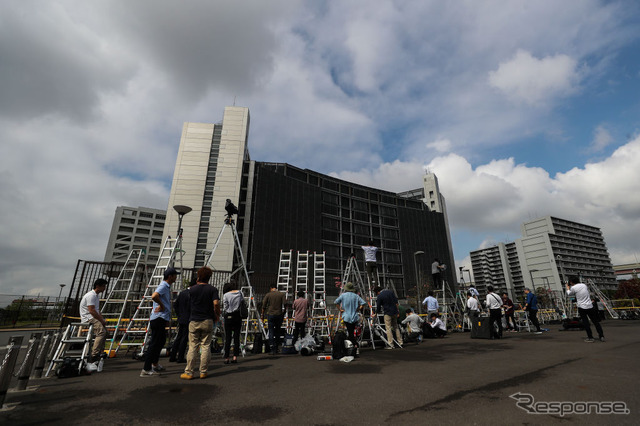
(231, 302)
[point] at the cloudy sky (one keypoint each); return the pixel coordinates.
(522, 109)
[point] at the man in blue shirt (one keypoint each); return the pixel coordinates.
(388, 302)
(531, 306)
(349, 303)
(431, 304)
(160, 316)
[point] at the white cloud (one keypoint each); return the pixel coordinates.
(93, 97)
(492, 200)
(601, 139)
(440, 145)
(536, 81)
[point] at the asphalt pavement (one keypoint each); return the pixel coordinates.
(521, 379)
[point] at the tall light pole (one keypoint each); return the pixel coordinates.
(60, 294)
(181, 210)
(559, 261)
(415, 264)
(533, 284)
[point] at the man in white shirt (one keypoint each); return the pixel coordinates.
(585, 307)
(437, 326)
(472, 305)
(370, 251)
(494, 304)
(436, 269)
(90, 312)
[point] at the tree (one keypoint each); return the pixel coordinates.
(628, 289)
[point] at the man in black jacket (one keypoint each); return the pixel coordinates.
(183, 311)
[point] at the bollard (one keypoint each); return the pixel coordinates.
(54, 344)
(41, 358)
(27, 363)
(6, 369)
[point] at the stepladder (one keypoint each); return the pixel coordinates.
(76, 343)
(137, 333)
(120, 302)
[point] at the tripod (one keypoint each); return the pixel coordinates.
(247, 290)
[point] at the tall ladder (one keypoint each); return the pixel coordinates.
(120, 296)
(604, 299)
(375, 323)
(284, 281)
(302, 273)
(450, 309)
(371, 322)
(320, 316)
(253, 321)
(137, 333)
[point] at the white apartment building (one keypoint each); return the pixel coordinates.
(135, 228)
(550, 250)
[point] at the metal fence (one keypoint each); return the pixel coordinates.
(32, 311)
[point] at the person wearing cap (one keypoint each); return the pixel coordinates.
(349, 304)
(160, 316)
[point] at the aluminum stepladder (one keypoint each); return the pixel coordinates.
(604, 299)
(302, 274)
(247, 289)
(76, 334)
(320, 317)
(137, 333)
(450, 310)
(371, 322)
(376, 324)
(284, 282)
(121, 296)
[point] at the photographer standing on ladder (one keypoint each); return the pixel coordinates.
(371, 267)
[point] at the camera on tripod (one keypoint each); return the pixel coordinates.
(230, 208)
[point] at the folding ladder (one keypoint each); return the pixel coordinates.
(604, 299)
(320, 317)
(120, 296)
(77, 334)
(137, 332)
(284, 282)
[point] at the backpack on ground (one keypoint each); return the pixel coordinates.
(68, 368)
(337, 345)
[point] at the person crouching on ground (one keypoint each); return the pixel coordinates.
(436, 328)
(414, 325)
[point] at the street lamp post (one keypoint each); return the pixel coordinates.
(60, 294)
(415, 264)
(559, 261)
(533, 284)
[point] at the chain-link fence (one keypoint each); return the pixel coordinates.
(30, 311)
